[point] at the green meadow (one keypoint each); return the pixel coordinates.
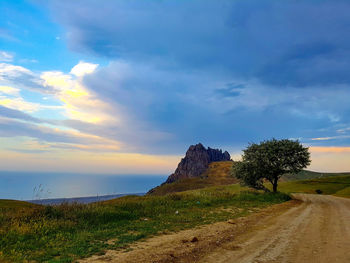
(335, 185)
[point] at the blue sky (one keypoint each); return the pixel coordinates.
(127, 86)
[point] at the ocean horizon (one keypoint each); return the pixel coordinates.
(52, 185)
(79, 200)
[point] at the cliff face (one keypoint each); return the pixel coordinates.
(196, 162)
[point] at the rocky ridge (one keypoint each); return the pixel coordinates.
(196, 162)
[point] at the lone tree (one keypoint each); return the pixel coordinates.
(269, 160)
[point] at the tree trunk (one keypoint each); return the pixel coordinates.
(274, 185)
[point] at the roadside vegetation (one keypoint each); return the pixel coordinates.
(67, 232)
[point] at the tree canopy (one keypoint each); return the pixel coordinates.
(269, 160)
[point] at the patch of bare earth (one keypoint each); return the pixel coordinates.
(204, 243)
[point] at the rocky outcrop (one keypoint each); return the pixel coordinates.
(197, 161)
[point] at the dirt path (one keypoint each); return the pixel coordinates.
(315, 230)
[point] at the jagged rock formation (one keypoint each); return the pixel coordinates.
(197, 161)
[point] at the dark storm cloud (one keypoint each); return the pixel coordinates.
(283, 43)
(216, 71)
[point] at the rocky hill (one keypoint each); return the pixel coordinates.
(218, 174)
(201, 167)
(196, 162)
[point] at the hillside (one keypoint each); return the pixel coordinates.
(333, 185)
(306, 174)
(6, 204)
(218, 173)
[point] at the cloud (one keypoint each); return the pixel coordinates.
(16, 114)
(290, 44)
(83, 68)
(214, 108)
(329, 149)
(57, 138)
(88, 162)
(235, 69)
(11, 98)
(79, 103)
(331, 138)
(9, 90)
(6, 56)
(71, 100)
(343, 130)
(19, 104)
(221, 73)
(14, 75)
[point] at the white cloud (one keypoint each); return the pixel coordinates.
(6, 56)
(11, 71)
(83, 68)
(79, 102)
(10, 97)
(9, 90)
(331, 138)
(19, 104)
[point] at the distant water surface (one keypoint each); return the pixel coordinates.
(32, 185)
(80, 200)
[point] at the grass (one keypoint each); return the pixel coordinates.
(219, 169)
(345, 192)
(336, 185)
(65, 233)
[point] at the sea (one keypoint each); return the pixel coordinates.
(56, 188)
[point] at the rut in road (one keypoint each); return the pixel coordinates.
(316, 231)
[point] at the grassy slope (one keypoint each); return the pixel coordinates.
(305, 174)
(14, 204)
(218, 173)
(67, 232)
(334, 185)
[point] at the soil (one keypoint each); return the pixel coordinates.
(311, 228)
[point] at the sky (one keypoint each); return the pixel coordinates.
(125, 87)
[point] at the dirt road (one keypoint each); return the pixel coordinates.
(315, 230)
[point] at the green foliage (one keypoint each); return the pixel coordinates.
(269, 160)
(66, 232)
